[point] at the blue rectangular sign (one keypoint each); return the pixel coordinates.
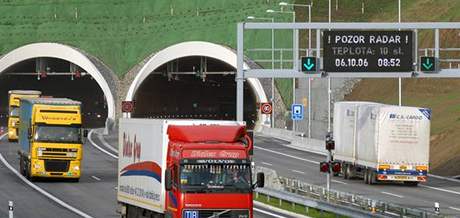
(297, 112)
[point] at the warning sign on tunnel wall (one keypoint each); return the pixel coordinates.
(127, 106)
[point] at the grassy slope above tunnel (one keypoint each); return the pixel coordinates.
(441, 95)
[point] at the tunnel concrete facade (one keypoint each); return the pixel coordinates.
(195, 48)
(116, 90)
(106, 80)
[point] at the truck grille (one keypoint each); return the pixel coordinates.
(56, 165)
(216, 213)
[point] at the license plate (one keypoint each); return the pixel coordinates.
(401, 177)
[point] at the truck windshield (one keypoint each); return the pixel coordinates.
(14, 111)
(215, 178)
(69, 134)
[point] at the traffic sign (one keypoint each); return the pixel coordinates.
(368, 51)
(266, 108)
(127, 106)
(309, 64)
(427, 64)
(297, 112)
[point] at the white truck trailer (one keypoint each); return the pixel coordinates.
(380, 142)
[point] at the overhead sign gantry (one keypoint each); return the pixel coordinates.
(351, 50)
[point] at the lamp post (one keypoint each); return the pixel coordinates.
(294, 64)
(272, 123)
(307, 54)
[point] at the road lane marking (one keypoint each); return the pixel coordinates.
(96, 178)
(99, 148)
(37, 188)
(395, 195)
(440, 189)
(296, 171)
(337, 181)
(265, 163)
(286, 155)
(106, 144)
(268, 213)
(454, 208)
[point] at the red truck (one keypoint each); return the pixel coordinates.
(185, 168)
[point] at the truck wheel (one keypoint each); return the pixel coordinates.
(346, 174)
(411, 183)
(366, 176)
(21, 166)
(372, 177)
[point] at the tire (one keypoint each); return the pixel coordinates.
(411, 183)
(21, 166)
(366, 176)
(345, 173)
(372, 177)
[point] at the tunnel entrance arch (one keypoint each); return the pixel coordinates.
(98, 71)
(195, 49)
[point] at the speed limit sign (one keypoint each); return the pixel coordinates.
(266, 108)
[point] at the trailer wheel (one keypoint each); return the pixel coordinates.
(372, 177)
(345, 169)
(411, 183)
(366, 176)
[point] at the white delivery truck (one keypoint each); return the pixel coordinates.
(380, 142)
(185, 168)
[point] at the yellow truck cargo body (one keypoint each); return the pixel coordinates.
(14, 97)
(51, 138)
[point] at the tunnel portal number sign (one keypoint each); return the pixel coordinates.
(266, 108)
(127, 106)
(368, 51)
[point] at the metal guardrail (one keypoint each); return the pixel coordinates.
(342, 203)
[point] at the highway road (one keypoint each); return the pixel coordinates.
(94, 195)
(273, 153)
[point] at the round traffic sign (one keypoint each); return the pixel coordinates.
(127, 106)
(266, 108)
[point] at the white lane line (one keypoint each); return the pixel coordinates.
(445, 178)
(268, 213)
(106, 144)
(440, 189)
(394, 195)
(286, 155)
(96, 146)
(296, 171)
(96, 178)
(265, 163)
(454, 208)
(340, 182)
(43, 192)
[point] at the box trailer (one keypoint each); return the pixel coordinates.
(380, 142)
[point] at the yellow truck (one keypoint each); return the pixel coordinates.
(50, 138)
(14, 97)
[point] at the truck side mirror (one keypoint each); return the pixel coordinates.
(260, 180)
(85, 133)
(168, 181)
(29, 132)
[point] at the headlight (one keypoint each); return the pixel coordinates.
(37, 166)
(76, 168)
(72, 154)
(40, 151)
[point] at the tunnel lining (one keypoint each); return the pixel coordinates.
(195, 48)
(60, 51)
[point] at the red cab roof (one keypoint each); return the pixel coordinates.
(205, 133)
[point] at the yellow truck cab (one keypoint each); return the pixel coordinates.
(51, 138)
(14, 97)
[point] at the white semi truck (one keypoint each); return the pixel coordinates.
(380, 142)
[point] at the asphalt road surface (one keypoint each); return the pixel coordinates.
(272, 153)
